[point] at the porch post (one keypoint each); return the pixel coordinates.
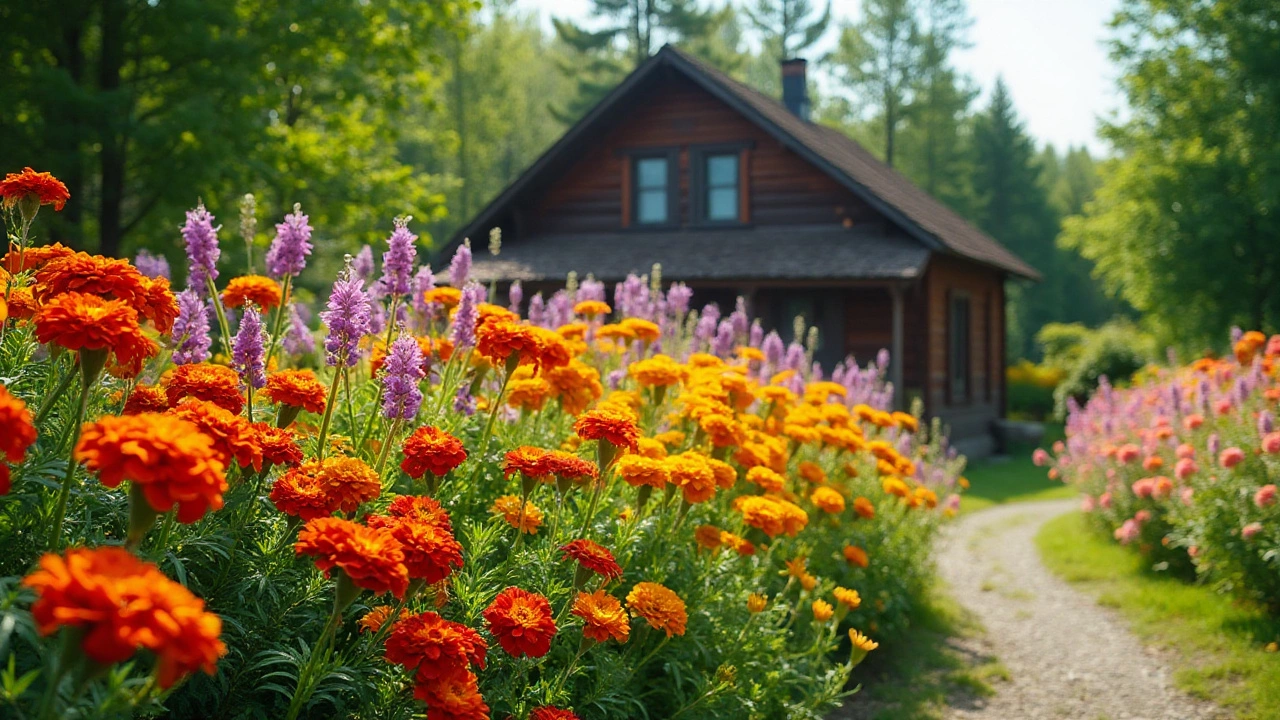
(895, 352)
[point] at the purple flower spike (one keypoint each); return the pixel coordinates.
(401, 373)
(291, 246)
(153, 266)
(678, 297)
(468, 313)
(515, 296)
(773, 348)
(298, 340)
(191, 329)
(348, 320)
(201, 238)
(248, 352)
(423, 282)
(397, 261)
(362, 265)
(538, 311)
(460, 266)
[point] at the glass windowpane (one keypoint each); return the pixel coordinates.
(651, 206)
(722, 203)
(651, 173)
(722, 170)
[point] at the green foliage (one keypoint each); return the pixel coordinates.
(786, 28)
(1182, 223)
(1116, 351)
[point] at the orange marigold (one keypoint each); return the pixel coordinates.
(498, 340)
(646, 331)
(319, 488)
(638, 470)
(295, 388)
(233, 436)
(659, 606)
(740, 545)
(433, 648)
(726, 476)
(691, 472)
(378, 616)
(577, 385)
(864, 507)
(279, 445)
(529, 461)
(86, 322)
(121, 604)
(592, 556)
(708, 537)
(827, 499)
(552, 713)
(610, 422)
(848, 598)
(17, 433)
(510, 508)
(568, 466)
(217, 384)
(822, 611)
(370, 557)
(453, 697)
(603, 617)
(109, 279)
(41, 187)
(430, 449)
(167, 458)
(22, 304)
(256, 289)
(772, 516)
(431, 552)
(32, 258)
(768, 480)
(812, 472)
(591, 308)
(443, 295)
(146, 398)
(855, 555)
(522, 622)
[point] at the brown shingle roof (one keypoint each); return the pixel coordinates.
(761, 253)
(928, 220)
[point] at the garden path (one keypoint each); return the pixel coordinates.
(1067, 656)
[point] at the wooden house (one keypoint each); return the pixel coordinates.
(735, 193)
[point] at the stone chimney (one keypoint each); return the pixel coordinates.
(795, 86)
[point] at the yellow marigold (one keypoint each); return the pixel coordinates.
(848, 598)
(862, 642)
(572, 331)
(704, 360)
(740, 545)
(657, 371)
(756, 603)
(658, 606)
(638, 470)
(691, 472)
(883, 450)
(217, 384)
(670, 438)
(527, 392)
(796, 566)
(592, 308)
(708, 537)
(256, 289)
(808, 582)
(780, 377)
(906, 421)
(827, 499)
(576, 385)
(768, 480)
(602, 616)
(894, 485)
(821, 391)
(723, 430)
(812, 472)
(644, 330)
(855, 555)
(444, 295)
(749, 354)
(509, 508)
(168, 459)
(726, 476)
(864, 508)
(926, 497)
(613, 333)
(651, 448)
(822, 611)
(772, 516)
(77, 321)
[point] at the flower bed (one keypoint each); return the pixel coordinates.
(657, 512)
(1184, 464)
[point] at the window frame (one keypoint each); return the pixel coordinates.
(961, 392)
(698, 182)
(672, 157)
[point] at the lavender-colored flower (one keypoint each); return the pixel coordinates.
(248, 351)
(722, 345)
(538, 311)
(795, 359)
(1236, 334)
(560, 309)
(515, 296)
(615, 378)
(756, 335)
(882, 359)
(298, 339)
(291, 246)
(397, 261)
(708, 322)
(201, 238)
(153, 266)
(678, 297)
(590, 289)
(377, 313)
(739, 317)
(423, 282)
(463, 402)
(348, 320)
(773, 348)
(401, 373)
(463, 333)
(1266, 423)
(362, 265)
(1214, 445)
(191, 329)
(460, 266)
(632, 296)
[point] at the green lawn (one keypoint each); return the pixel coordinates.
(1222, 644)
(1012, 479)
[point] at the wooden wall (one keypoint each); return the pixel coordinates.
(783, 188)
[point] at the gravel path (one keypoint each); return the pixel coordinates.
(1068, 658)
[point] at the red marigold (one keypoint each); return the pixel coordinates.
(256, 289)
(77, 321)
(522, 622)
(370, 557)
(122, 604)
(552, 713)
(659, 606)
(430, 449)
(612, 422)
(18, 259)
(296, 388)
(422, 526)
(41, 186)
(279, 445)
(571, 467)
(145, 398)
(217, 384)
(432, 647)
(528, 461)
(454, 697)
(168, 458)
(17, 433)
(603, 617)
(109, 279)
(593, 556)
(233, 436)
(321, 487)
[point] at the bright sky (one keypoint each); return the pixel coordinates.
(1050, 53)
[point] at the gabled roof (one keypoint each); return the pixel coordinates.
(925, 218)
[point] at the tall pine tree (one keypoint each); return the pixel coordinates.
(877, 59)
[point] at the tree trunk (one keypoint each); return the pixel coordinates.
(112, 131)
(71, 58)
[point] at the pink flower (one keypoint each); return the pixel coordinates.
(1265, 497)
(1040, 458)
(1185, 451)
(1231, 457)
(1142, 516)
(1223, 406)
(1248, 531)
(1185, 468)
(1271, 443)
(1105, 500)
(1144, 488)
(1088, 504)
(1187, 494)
(1128, 453)
(1128, 532)
(1059, 447)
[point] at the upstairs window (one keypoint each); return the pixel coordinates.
(720, 194)
(652, 183)
(958, 350)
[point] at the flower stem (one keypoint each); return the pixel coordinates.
(328, 414)
(275, 328)
(222, 315)
(60, 511)
(53, 397)
(305, 685)
(488, 428)
(387, 442)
